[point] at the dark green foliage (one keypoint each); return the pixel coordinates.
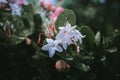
(66, 16)
(89, 40)
(22, 26)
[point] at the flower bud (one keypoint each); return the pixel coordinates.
(28, 41)
(62, 66)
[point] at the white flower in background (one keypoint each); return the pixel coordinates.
(16, 9)
(3, 1)
(52, 46)
(15, 5)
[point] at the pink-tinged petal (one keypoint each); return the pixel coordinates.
(20, 2)
(53, 16)
(46, 47)
(59, 49)
(78, 49)
(51, 52)
(50, 41)
(46, 5)
(57, 12)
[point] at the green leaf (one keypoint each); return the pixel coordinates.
(15, 39)
(37, 22)
(111, 50)
(66, 16)
(89, 40)
(3, 38)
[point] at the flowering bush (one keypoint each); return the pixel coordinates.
(45, 40)
(58, 32)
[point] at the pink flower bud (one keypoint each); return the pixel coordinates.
(46, 5)
(28, 41)
(58, 10)
(78, 50)
(1, 5)
(20, 2)
(61, 65)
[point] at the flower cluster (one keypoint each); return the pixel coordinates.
(66, 36)
(15, 5)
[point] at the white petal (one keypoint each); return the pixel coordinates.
(50, 41)
(46, 47)
(68, 40)
(78, 33)
(76, 39)
(56, 42)
(59, 49)
(51, 52)
(64, 46)
(80, 39)
(59, 36)
(68, 25)
(16, 10)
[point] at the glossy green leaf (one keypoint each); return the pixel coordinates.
(66, 16)
(89, 40)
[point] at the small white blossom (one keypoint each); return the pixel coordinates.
(77, 36)
(16, 9)
(64, 35)
(52, 46)
(63, 39)
(68, 35)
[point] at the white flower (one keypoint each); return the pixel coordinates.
(68, 35)
(16, 9)
(64, 39)
(4, 1)
(64, 35)
(77, 36)
(52, 46)
(66, 29)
